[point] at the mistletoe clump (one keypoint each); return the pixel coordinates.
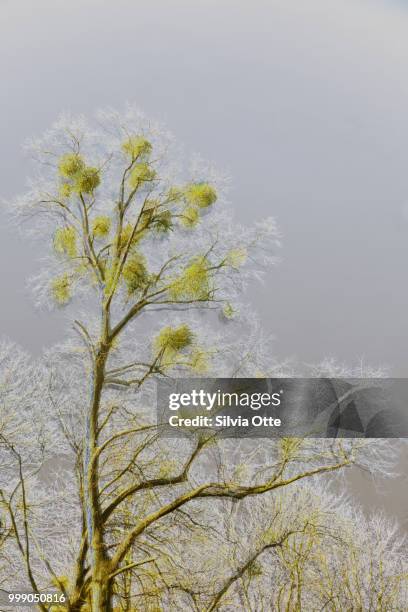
(175, 194)
(201, 195)
(141, 173)
(125, 236)
(87, 180)
(190, 217)
(65, 191)
(70, 165)
(137, 146)
(135, 273)
(129, 233)
(174, 339)
(154, 216)
(196, 196)
(65, 241)
(81, 178)
(163, 222)
(177, 346)
(101, 226)
(61, 289)
(193, 283)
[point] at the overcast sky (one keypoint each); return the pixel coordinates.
(304, 103)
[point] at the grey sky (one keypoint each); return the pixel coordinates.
(305, 103)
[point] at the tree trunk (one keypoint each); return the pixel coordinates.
(101, 591)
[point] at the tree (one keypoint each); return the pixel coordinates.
(29, 506)
(318, 552)
(147, 258)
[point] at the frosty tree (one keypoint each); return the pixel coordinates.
(149, 265)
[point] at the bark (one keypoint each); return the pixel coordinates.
(99, 587)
